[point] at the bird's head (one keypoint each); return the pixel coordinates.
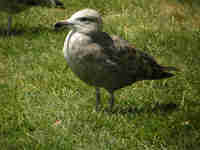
(87, 21)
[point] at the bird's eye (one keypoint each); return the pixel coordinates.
(84, 19)
(87, 19)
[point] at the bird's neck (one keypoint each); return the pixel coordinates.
(67, 41)
(81, 36)
(74, 36)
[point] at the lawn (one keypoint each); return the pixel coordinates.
(44, 106)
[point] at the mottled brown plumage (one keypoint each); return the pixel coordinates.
(106, 61)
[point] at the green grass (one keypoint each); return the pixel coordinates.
(43, 105)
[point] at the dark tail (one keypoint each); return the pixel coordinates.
(163, 73)
(169, 69)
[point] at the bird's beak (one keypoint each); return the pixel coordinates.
(63, 23)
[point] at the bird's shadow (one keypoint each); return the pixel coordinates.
(163, 108)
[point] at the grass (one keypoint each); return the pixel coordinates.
(43, 105)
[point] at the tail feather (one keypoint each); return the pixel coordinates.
(166, 75)
(160, 75)
(164, 72)
(169, 68)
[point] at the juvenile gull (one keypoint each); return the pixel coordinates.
(106, 61)
(16, 6)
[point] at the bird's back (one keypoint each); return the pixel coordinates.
(138, 63)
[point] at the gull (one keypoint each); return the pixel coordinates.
(16, 6)
(105, 61)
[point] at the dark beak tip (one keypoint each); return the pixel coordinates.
(57, 25)
(62, 24)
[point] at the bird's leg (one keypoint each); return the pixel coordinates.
(98, 99)
(112, 100)
(9, 24)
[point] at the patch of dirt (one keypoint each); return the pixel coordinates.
(180, 12)
(176, 10)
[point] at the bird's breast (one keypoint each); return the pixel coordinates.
(87, 67)
(74, 51)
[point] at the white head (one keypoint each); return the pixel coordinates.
(87, 21)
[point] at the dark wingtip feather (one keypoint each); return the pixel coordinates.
(161, 75)
(166, 75)
(164, 68)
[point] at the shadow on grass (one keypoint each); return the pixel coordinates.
(183, 130)
(165, 108)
